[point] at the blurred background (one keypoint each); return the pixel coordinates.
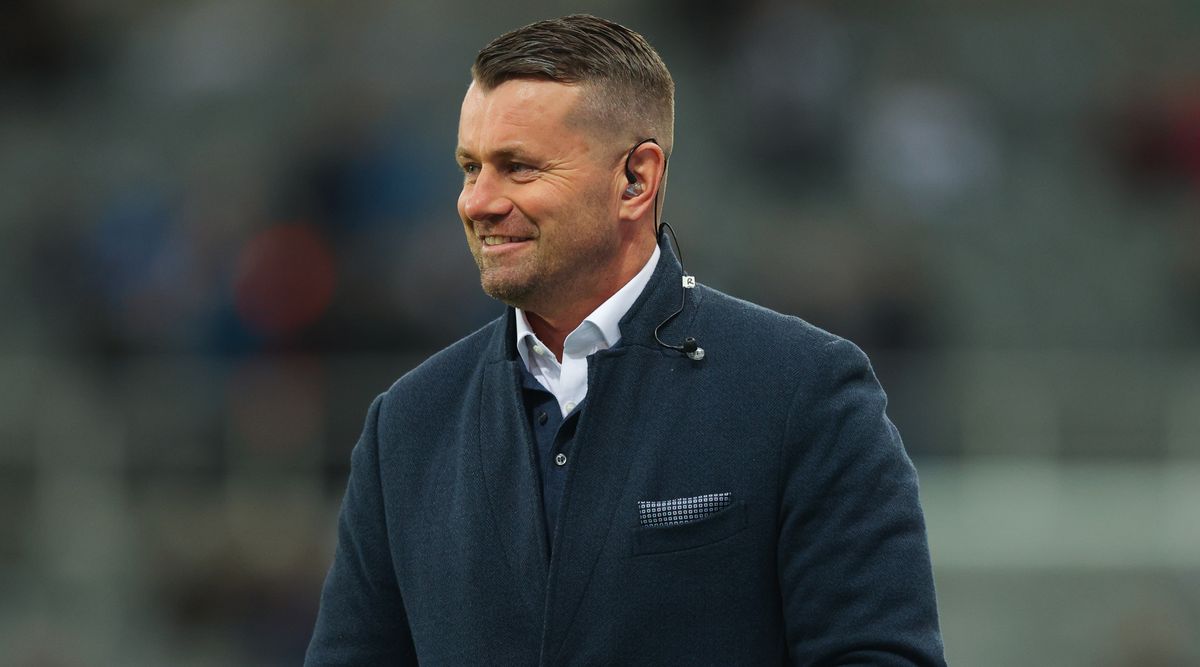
(226, 225)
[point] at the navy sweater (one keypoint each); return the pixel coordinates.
(820, 558)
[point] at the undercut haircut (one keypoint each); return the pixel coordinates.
(628, 91)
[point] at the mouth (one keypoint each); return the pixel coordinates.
(495, 246)
(501, 240)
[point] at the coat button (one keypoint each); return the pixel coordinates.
(560, 459)
(542, 417)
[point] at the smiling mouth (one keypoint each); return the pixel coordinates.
(501, 240)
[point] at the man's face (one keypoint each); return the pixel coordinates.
(540, 195)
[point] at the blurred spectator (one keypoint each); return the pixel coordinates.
(923, 150)
(285, 280)
(790, 72)
(43, 51)
(1157, 140)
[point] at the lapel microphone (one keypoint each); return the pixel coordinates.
(689, 347)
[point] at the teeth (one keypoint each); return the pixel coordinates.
(498, 240)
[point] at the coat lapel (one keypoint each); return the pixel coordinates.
(510, 471)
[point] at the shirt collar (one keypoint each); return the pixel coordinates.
(603, 325)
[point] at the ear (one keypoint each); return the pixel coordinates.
(647, 163)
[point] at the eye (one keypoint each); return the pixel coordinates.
(520, 170)
(470, 170)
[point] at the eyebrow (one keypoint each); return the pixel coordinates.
(504, 154)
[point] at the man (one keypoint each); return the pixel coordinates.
(577, 483)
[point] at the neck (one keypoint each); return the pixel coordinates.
(551, 334)
(553, 324)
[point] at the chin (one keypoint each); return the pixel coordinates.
(509, 292)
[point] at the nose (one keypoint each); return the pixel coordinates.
(484, 200)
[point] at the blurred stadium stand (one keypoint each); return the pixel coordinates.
(227, 224)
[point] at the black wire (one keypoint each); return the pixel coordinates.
(683, 296)
(674, 242)
(689, 344)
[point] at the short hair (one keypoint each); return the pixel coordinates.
(627, 86)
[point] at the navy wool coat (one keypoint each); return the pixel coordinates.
(820, 557)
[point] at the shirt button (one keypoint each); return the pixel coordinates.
(538, 349)
(560, 459)
(570, 406)
(542, 418)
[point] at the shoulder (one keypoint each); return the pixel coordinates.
(787, 341)
(835, 404)
(832, 383)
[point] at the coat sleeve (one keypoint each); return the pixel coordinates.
(853, 559)
(361, 619)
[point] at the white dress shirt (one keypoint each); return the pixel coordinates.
(598, 331)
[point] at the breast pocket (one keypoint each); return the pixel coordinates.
(678, 537)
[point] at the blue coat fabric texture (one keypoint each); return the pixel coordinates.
(818, 557)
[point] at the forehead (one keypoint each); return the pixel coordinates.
(522, 112)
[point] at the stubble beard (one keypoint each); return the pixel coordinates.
(548, 276)
(513, 290)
